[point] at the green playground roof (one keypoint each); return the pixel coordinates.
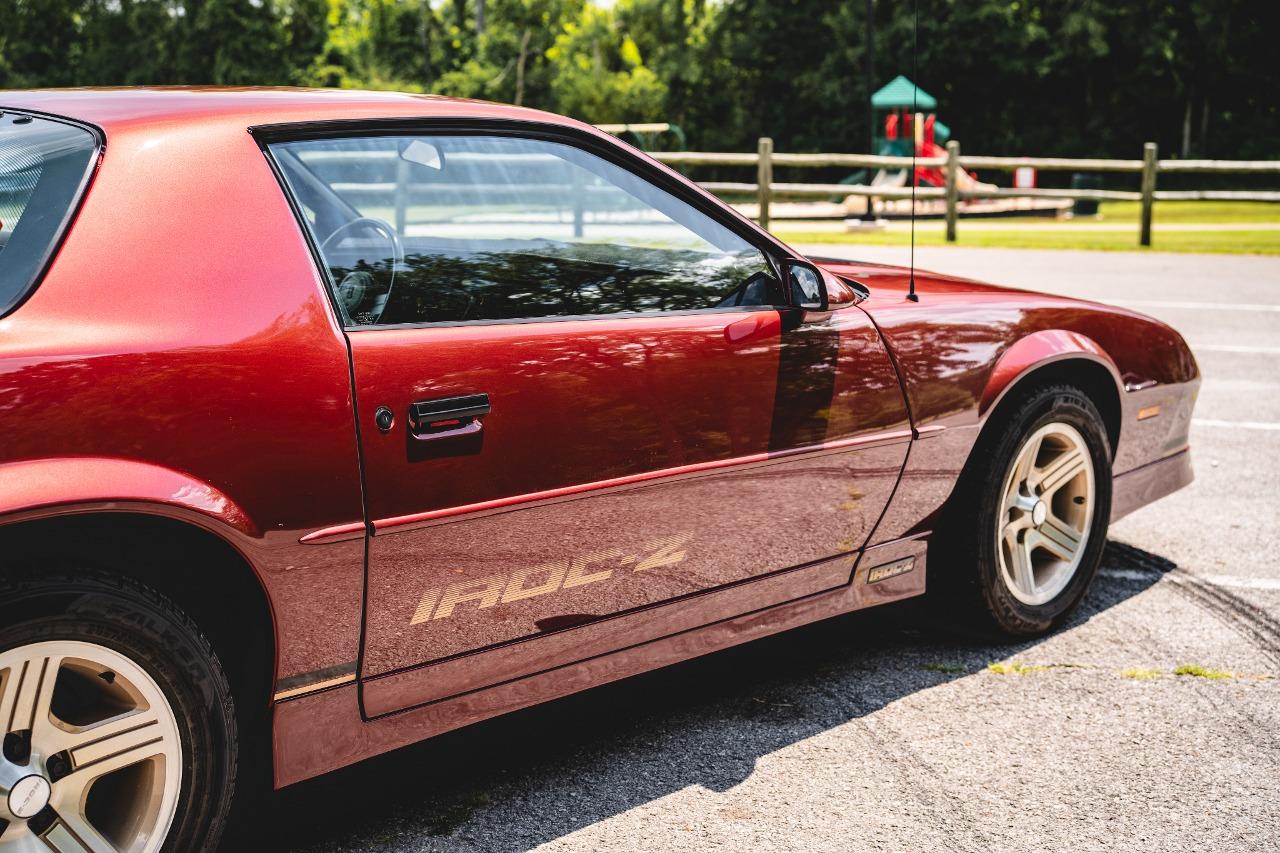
(901, 92)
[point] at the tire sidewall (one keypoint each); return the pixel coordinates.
(147, 629)
(1052, 405)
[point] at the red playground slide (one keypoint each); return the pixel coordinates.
(936, 177)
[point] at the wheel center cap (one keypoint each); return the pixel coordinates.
(28, 796)
(1039, 513)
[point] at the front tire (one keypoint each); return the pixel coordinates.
(1024, 533)
(117, 719)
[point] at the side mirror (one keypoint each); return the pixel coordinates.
(806, 285)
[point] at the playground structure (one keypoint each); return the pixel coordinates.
(907, 117)
(910, 126)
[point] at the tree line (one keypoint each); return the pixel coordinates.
(1043, 77)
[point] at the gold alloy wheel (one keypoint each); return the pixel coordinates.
(92, 759)
(1045, 513)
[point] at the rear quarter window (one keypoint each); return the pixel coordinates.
(44, 165)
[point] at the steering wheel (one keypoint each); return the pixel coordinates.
(355, 286)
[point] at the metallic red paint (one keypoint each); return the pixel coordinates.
(325, 731)
(964, 344)
(180, 352)
(643, 428)
(181, 358)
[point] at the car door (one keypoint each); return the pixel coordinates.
(588, 416)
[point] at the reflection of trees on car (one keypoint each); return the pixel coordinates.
(557, 280)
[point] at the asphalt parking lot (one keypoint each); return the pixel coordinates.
(874, 732)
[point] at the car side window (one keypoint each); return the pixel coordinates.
(456, 228)
(44, 166)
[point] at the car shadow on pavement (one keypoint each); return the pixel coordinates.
(536, 775)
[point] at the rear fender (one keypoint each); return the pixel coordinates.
(43, 487)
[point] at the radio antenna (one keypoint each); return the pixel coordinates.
(915, 115)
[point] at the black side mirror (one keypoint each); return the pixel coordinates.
(806, 285)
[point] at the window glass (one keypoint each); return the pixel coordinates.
(431, 229)
(42, 166)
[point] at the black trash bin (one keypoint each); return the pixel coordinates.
(1085, 181)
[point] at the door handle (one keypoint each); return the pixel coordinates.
(448, 417)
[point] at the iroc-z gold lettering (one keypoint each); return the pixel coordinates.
(891, 570)
(568, 573)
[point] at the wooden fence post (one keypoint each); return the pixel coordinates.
(402, 194)
(764, 179)
(579, 191)
(953, 192)
(1148, 191)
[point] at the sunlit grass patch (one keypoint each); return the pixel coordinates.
(1244, 241)
(1198, 671)
(1016, 668)
(1142, 674)
(1192, 211)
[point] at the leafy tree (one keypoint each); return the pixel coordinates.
(8, 13)
(38, 46)
(379, 44)
(671, 36)
(762, 76)
(306, 31)
(231, 42)
(600, 75)
(510, 58)
(1048, 77)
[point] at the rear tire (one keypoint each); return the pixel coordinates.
(1023, 534)
(123, 711)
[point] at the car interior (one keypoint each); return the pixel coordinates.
(512, 254)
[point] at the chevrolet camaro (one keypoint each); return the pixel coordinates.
(332, 421)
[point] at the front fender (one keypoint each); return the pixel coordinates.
(1036, 351)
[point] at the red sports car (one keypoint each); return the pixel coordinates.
(331, 421)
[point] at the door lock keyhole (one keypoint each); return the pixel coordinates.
(384, 418)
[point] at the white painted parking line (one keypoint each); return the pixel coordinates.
(1231, 581)
(1252, 307)
(1235, 348)
(1211, 422)
(1128, 574)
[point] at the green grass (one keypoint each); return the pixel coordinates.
(1201, 672)
(1137, 673)
(1190, 211)
(1213, 242)
(1015, 668)
(1074, 233)
(1166, 212)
